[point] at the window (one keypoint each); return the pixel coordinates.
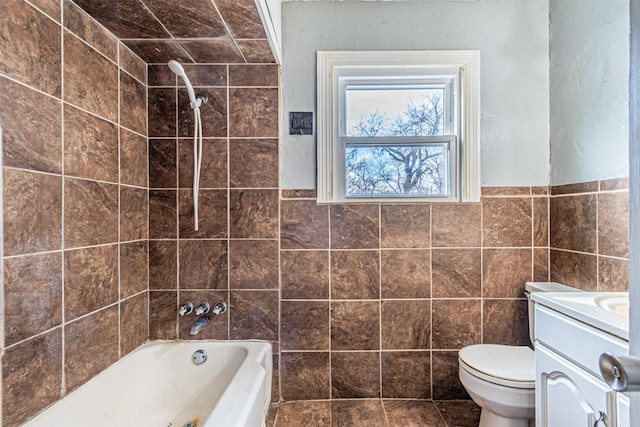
(398, 126)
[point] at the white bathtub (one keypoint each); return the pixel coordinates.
(158, 385)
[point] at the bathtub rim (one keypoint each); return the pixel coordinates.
(256, 350)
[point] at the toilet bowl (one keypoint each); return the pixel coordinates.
(501, 378)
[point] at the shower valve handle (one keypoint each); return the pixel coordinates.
(203, 308)
(219, 308)
(185, 308)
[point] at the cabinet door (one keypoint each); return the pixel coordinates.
(624, 416)
(568, 396)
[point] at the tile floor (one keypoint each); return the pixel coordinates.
(374, 413)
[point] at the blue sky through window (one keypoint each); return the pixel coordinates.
(390, 103)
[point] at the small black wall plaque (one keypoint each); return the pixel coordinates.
(300, 123)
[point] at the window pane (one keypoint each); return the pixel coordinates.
(397, 170)
(394, 111)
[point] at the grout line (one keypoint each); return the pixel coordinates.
(35, 89)
(440, 413)
(481, 272)
(588, 253)
(215, 239)
(74, 320)
(226, 26)
(47, 15)
(228, 238)
(589, 193)
(148, 225)
(220, 138)
(430, 342)
(349, 300)
(384, 409)
(533, 239)
(170, 38)
(330, 266)
(219, 87)
(279, 397)
(119, 249)
(127, 72)
(63, 175)
(548, 238)
(67, 103)
(416, 249)
(96, 23)
(380, 394)
(177, 202)
(63, 321)
(233, 64)
(71, 249)
(597, 248)
(213, 189)
(408, 249)
(190, 39)
(91, 46)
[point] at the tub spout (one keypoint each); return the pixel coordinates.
(199, 325)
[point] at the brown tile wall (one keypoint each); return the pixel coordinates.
(233, 257)
(73, 110)
(360, 301)
(377, 299)
(589, 226)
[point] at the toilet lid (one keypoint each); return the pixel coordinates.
(501, 362)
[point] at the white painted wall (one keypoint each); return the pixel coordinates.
(589, 90)
(512, 37)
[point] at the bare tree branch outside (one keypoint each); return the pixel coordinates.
(379, 169)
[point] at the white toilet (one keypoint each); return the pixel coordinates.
(501, 378)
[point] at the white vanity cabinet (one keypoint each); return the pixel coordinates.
(624, 410)
(570, 391)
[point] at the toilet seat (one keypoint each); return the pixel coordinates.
(510, 366)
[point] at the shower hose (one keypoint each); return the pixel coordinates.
(197, 160)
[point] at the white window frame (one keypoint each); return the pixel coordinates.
(336, 66)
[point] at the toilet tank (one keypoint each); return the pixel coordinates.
(542, 287)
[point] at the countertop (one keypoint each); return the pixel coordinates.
(583, 307)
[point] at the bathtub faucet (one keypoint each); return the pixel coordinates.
(199, 325)
(204, 308)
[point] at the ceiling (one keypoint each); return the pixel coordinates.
(190, 31)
